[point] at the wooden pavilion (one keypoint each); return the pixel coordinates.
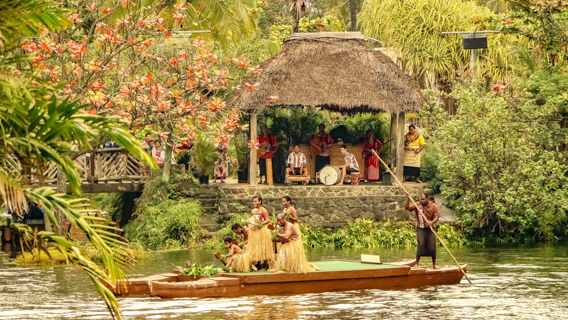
(337, 71)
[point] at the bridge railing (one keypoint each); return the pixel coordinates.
(102, 165)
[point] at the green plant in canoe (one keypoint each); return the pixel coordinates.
(37, 129)
(197, 270)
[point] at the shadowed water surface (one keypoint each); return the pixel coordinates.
(524, 282)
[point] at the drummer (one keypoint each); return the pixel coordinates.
(350, 165)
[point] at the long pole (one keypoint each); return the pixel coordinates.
(422, 213)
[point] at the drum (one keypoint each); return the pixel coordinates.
(330, 175)
(355, 178)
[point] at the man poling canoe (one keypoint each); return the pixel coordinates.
(423, 216)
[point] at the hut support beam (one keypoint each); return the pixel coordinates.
(397, 149)
(252, 164)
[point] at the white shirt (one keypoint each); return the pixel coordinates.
(296, 159)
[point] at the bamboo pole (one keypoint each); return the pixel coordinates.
(424, 216)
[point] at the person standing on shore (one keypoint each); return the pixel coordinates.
(425, 236)
(413, 145)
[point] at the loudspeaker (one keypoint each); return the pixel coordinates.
(474, 43)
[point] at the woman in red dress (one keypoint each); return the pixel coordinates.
(371, 172)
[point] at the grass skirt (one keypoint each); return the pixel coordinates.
(259, 247)
(292, 258)
(241, 263)
(297, 226)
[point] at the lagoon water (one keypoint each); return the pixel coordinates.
(521, 282)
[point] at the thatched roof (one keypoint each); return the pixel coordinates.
(332, 70)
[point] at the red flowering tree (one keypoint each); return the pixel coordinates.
(123, 60)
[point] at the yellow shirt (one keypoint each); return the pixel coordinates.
(418, 142)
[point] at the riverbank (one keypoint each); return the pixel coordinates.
(37, 257)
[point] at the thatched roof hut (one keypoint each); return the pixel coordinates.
(332, 70)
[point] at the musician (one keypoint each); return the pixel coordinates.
(350, 164)
(297, 162)
(268, 145)
(321, 146)
(413, 145)
(371, 171)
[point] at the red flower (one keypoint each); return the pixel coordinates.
(508, 20)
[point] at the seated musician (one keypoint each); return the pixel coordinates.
(297, 162)
(350, 165)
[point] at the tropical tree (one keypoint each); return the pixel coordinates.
(127, 61)
(36, 129)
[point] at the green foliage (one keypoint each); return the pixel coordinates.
(543, 22)
(171, 224)
(197, 270)
(279, 33)
(369, 234)
(299, 124)
(451, 235)
(203, 154)
(504, 173)
(429, 169)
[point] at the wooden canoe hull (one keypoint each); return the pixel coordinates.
(227, 285)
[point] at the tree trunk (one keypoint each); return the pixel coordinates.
(61, 188)
(353, 10)
(168, 162)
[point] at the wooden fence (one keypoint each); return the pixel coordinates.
(103, 165)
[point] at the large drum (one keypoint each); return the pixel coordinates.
(330, 175)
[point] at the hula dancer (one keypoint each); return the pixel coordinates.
(259, 238)
(291, 256)
(237, 259)
(425, 236)
(293, 214)
(243, 231)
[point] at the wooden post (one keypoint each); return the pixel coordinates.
(393, 134)
(400, 146)
(397, 146)
(252, 164)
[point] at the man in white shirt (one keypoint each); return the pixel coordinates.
(350, 165)
(297, 163)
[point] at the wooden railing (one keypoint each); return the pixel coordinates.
(102, 165)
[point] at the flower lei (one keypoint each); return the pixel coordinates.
(413, 138)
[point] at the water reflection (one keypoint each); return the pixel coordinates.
(527, 282)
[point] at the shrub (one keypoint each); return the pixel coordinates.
(369, 234)
(168, 225)
(504, 173)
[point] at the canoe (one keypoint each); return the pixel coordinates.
(334, 276)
